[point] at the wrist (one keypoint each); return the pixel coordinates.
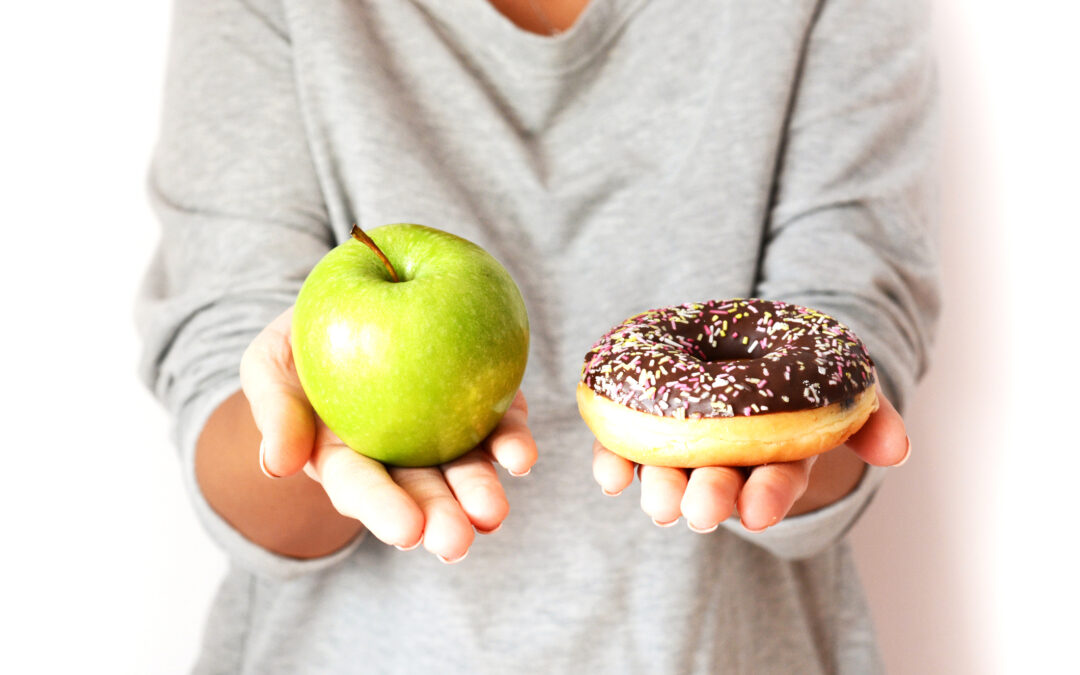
(289, 516)
(835, 475)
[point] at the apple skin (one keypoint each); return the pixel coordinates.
(417, 372)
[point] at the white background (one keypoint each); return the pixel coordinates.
(966, 553)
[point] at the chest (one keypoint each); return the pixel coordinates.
(634, 175)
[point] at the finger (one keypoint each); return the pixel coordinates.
(476, 486)
(612, 472)
(447, 530)
(770, 491)
(278, 404)
(511, 443)
(361, 488)
(710, 497)
(883, 440)
(662, 491)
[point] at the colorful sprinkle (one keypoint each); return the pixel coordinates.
(695, 369)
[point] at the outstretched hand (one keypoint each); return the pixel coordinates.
(441, 507)
(762, 495)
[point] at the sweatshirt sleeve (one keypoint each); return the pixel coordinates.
(242, 222)
(850, 231)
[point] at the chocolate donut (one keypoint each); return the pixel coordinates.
(729, 382)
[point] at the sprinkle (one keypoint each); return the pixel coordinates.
(656, 361)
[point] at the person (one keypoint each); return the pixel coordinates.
(615, 156)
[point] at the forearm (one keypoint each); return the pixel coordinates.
(290, 516)
(835, 474)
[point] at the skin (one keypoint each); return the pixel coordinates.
(541, 16)
(707, 496)
(314, 495)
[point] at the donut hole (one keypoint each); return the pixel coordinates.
(725, 351)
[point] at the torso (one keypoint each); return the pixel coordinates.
(611, 170)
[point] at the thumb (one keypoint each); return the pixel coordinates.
(278, 404)
(883, 440)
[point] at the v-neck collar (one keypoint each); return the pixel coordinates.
(527, 52)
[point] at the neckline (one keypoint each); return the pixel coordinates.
(532, 53)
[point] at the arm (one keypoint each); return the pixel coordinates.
(849, 234)
(851, 230)
(243, 220)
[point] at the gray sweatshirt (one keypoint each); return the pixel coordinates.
(660, 152)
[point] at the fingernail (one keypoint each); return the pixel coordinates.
(409, 548)
(262, 461)
(515, 474)
(772, 521)
(702, 530)
(491, 531)
(456, 560)
(610, 494)
(667, 524)
(907, 453)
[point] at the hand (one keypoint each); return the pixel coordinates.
(438, 506)
(763, 495)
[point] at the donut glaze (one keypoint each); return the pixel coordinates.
(728, 358)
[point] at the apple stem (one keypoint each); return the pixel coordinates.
(362, 236)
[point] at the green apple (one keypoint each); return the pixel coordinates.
(414, 371)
